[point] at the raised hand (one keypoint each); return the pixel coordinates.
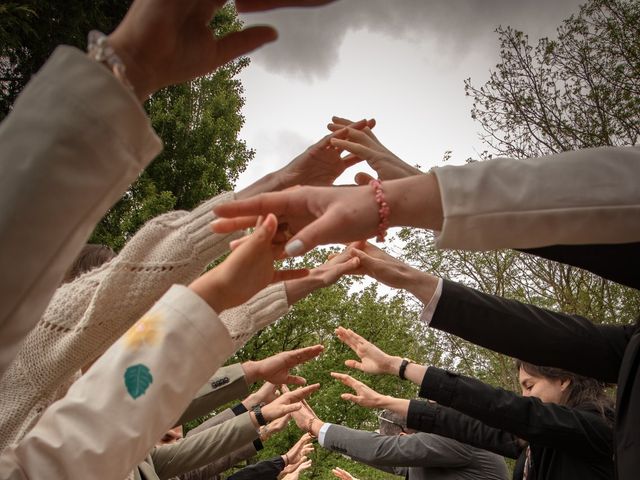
(286, 403)
(321, 276)
(299, 468)
(301, 449)
(267, 393)
(343, 474)
(275, 369)
(321, 163)
(392, 272)
(372, 359)
(365, 396)
(246, 271)
(163, 43)
(364, 145)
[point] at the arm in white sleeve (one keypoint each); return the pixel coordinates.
(75, 140)
(587, 196)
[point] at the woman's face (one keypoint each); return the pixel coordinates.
(549, 390)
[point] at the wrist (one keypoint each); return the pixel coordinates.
(140, 80)
(392, 365)
(415, 202)
(250, 373)
(271, 182)
(301, 287)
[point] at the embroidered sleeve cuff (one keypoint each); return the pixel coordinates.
(430, 308)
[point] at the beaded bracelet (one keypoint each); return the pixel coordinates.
(383, 210)
(98, 48)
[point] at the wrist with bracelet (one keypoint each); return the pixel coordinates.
(383, 210)
(99, 49)
(257, 411)
(310, 426)
(403, 368)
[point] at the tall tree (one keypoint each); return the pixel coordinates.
(580, 90)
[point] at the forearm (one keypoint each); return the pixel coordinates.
(201, 449)
(532, 334)
(415, 202)
(433, 418)
(83, 319)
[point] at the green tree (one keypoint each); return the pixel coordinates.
(385, 319)
(31, 29)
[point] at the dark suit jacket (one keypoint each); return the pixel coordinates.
(416, 456)
(565, 442)
(610, 353)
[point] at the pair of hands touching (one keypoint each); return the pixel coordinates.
(321, 215)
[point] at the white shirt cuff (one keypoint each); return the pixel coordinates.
(322, 433)
(430, 308)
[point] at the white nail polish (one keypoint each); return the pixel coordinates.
(294, 248)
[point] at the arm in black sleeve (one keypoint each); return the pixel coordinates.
(617, 262)
(532, 334)
(433, 418)
(580, 432)
(266, 469)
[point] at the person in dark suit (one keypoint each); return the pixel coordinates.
(402, 451)
(566, 419)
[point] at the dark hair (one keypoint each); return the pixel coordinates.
(392, 423)
(584, 392)
(91, 256)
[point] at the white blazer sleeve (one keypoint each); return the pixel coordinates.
(589, 196)
(75, 140)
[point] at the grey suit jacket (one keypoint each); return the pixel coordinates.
(416, 456)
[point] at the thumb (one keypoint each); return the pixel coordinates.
(353, 364)
(362, 178)
(349, 397)
(318, 232)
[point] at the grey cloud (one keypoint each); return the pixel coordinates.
(310, 38)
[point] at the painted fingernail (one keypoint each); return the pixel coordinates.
(294, 248)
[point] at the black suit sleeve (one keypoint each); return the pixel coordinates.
(266, 469)
(579, 432)
(617, 262)
(533, 334)
(433, 418)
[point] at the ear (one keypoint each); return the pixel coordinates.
(564, 384)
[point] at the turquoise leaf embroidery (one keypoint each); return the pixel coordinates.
(137, 379)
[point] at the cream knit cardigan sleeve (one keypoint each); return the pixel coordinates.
(86, 316)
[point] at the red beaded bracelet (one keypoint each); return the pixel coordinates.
(383, 210)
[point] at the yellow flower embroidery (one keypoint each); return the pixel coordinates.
(145, 332)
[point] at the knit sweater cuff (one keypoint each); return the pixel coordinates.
(263, 309)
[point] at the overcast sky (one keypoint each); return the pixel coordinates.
(402, 62)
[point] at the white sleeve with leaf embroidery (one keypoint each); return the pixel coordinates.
(112, 416)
